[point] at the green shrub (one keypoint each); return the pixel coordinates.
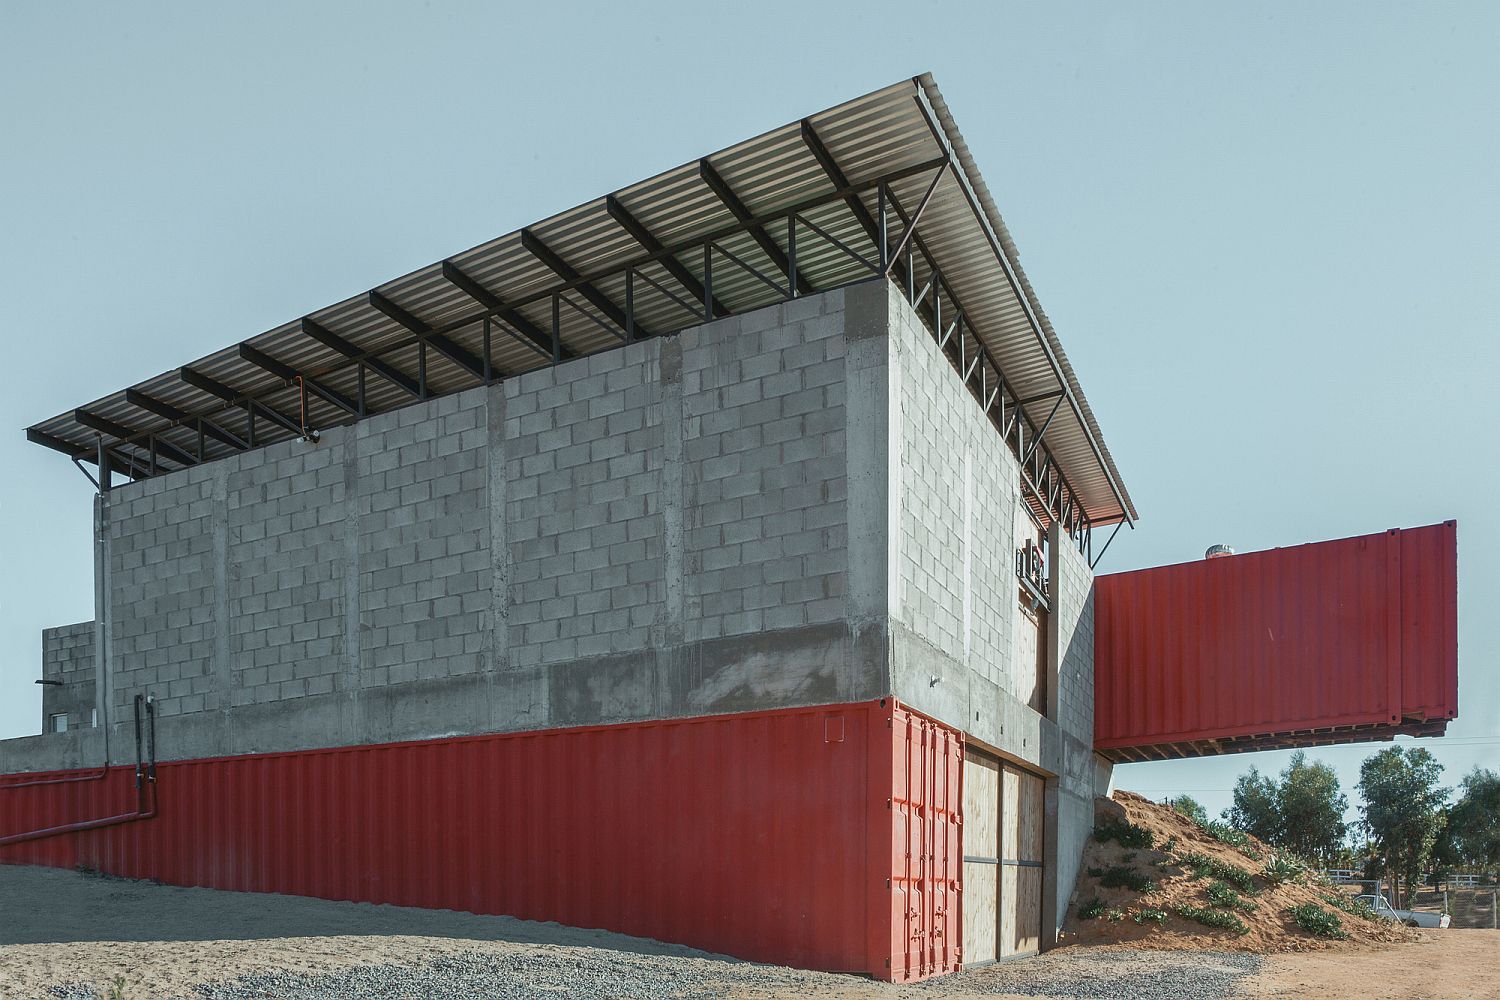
(1171, 844)
(1092, 909)
(1128, 856)
(1156, 916)
(1220, 894)
(1121, 877)
(1315, 920)
(1115, 914)
(1204, 866)
(1222, 919)
(1124, 833)
(1226, 834)
(1283, 868)
(1350, 905)
(1096, 872)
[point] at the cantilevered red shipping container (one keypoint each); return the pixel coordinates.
(1354, 639)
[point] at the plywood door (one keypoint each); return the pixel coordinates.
(981, 833)
(1021, 844)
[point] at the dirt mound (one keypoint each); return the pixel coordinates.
(1158, 893)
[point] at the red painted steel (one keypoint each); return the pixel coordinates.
(926, 865)
(823, 837)
(1355, 638)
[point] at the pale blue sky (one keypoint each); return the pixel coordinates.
(1267, 236)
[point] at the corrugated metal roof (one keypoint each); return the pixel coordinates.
(888, 136)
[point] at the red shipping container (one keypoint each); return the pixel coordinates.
(1330, 642)
(824, 838)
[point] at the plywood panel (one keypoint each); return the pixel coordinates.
(1028, 910)
(1027, 647)
(1030, 818)
(981, 911)
(981, 833)
(1010, 793)
(1022, 828)
(981, 805)
(1007, 910)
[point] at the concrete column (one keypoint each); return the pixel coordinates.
(1054, 900)
(499, 542)
(104, 687)
(220, 697)
(1056, 537)
(871, 437)
(350, 678)
(670, 365)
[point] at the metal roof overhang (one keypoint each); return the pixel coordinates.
(796, 210)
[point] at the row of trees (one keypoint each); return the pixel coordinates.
(1410, 824)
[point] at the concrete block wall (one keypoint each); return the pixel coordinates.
(583, 460)
(413, 540)
(954, 613)
(957, 498)
(765, 475)
(68, 656)
(659, 530)
(162, 566)
(278, 536)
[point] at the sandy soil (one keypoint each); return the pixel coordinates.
(1270, 928)
(1440, 965)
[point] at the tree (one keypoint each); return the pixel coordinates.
(1403, 809)
(1301, 811)
(1474, 820)
(1255, 810)
(1191, 808)
(1310, 807)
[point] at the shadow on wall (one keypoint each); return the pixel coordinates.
(49, 906)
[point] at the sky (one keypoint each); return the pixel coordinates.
(1265, 233)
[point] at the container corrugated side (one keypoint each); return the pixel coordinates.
(767, 836)
(1355, 633)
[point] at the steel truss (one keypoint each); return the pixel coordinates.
(660, 272)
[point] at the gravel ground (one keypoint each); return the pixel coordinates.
(1067, 975)
(470, 975)
(1112, 974)
(68, 936)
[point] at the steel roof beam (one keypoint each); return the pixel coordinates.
(284, 371)
(80, 453)
(831, 168)
(125, 433)
(348, 349)
(675, 267)
(588, 290)
(741, 212)
(251, 404)
(441, 343)
(214, 387)
(151, 404)
(524, 330)
(57, 444)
